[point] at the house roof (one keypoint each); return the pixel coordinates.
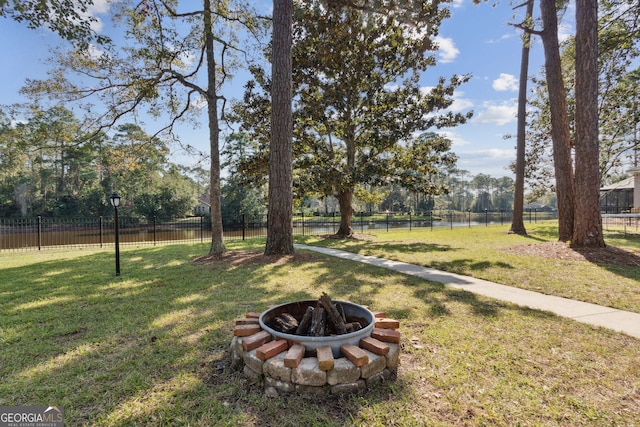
(620, 185)
(205, 199)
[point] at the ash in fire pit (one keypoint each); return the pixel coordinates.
(326, 318)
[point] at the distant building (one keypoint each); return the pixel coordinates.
(204, 205)
(619, 197)
(537, 207)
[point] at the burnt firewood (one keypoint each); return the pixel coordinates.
(353, 326)
(332, 314)
(286, 323)
(341, 311)
(318, 322)
(303, 326)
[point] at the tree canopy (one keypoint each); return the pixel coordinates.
(360, 115)
(173, 62)
(68, 18)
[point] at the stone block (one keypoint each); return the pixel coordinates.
(235, 358)
(311, 392)
(276, 369)
(375, 365)
(251, 375)
(343, 372)
(348, 387)
(237, 342)
(252, 315)
(393, 356)
(378, 378)
(251, 360)
(308, 373)
(283, 386)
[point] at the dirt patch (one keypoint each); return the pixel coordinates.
(237, 258)
(559, 250)
(352, 236)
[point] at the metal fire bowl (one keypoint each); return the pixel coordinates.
(311, 344)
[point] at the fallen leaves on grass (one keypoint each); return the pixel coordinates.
(560, 250)
(237, 258)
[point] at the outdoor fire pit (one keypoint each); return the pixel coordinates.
(353, 312)
(316, 347)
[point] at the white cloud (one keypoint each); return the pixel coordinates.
(460, 103)
(503, 37)
(565, 30)
(98, 7)
(457, 140)
(448, 50)
(493, 161)
(94, 51)
(496, 114)
(505, 82)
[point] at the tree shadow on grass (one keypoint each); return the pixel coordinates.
(145, 346)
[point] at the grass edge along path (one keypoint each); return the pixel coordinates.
(485, 253)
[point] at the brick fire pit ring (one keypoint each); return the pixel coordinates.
(285, 366)
(311, 344)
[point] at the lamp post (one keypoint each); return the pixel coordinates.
(115, 202)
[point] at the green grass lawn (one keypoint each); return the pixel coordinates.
(149, 347)
(481, 252)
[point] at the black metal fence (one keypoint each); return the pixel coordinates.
(42, 233)
(621, 223)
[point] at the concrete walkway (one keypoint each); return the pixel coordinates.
(618, 320)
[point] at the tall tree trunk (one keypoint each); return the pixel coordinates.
(217, 241)
(517, 223)
(345, 199)
(588, 223)
(280, 219)
(560, 134)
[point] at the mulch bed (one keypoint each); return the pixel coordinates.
(560, 250)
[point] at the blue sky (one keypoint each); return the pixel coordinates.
(476, 40)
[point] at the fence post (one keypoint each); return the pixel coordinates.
(201, 229)
(154, 230)
(486, 217)
(387, 221)
(303, 223)
(333, 221)
(39, 232)
(101, 231)
(431, 215)
(244, 226)
(409, 220)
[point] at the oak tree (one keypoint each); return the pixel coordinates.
(361, 116)
(172, 64)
